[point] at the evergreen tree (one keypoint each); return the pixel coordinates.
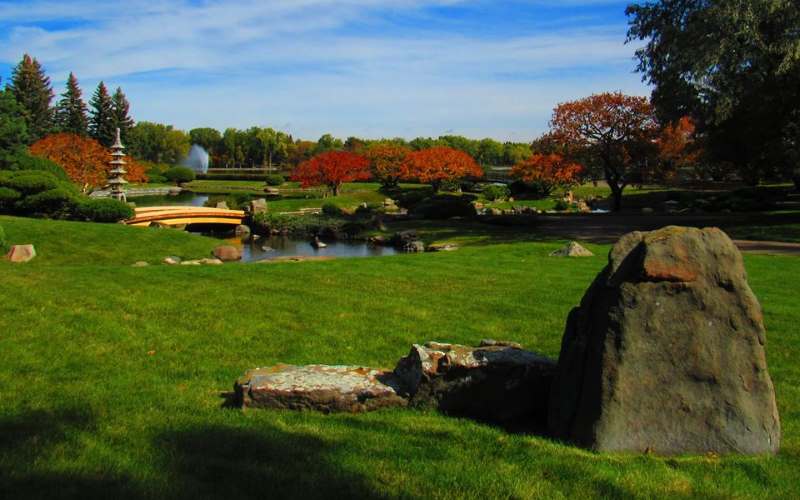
(31, 87)
(13, 129)
(122, 119)
(101, 123)
(71, 110)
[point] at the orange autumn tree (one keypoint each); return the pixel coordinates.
(386, 162)
(547, 172)
(85, 160)
(677, 149)
(332, 169)
(613, 134)
(439, 164)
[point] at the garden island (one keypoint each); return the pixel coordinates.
(606, 308)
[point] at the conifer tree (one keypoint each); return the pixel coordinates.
(101, 123)
(71, 110)
(31, 88)
(122, 119)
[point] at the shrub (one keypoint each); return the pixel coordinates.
(104, 210)
(561, 205)
(3, 243)
(494, 192)
(29, 182)
(156, 179)
(445, 207)
(330, 208)
(8, 197)
(274, 180)
(58, 202)
(179, 175)
(24, 161)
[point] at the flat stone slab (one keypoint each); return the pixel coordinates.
(318, 387)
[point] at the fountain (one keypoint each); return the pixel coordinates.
(197, 159)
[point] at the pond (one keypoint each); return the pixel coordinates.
(185, 198)
(272, 247)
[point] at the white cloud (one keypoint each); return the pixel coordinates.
(239, 63)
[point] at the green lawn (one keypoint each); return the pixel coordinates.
(110, 376)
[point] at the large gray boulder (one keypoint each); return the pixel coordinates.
(666, 352)
(497, 381)
(318, 387)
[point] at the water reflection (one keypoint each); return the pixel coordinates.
(184, 199)
(282, 246)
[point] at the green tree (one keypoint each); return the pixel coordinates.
(514, 152)
(71, 110)
(207, 138)
(734, 67)
(490, 152)
(32, 90)
(121, 110)
(158, 143)
(13, 127)
(328, 143)
(102, 126)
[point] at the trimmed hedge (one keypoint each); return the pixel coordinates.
(31, 182)
(3, 242)
(58, 202)
(8, 197)
(444, 207)
(274, 180)
(36, 163)
(180, 174)
(103, 210)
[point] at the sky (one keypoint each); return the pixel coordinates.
(368, 68)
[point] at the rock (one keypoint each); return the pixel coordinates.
(21, 253)
(140, 263)
(583, 207)
(500, 383)
(502, 343)
(242, 231)
(172, 260)
(211, 262)
(258, 206)
(195, 262)
(416, 246)
(223, 205)
(272, 192)
(317, 243)
(377, 240)
(318, 387)
(227, 253)
(441, 247)
(572, 249)
(175, 191)
(647, 210)
(495, 211)
(666, 352)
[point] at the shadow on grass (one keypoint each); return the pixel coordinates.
(28, 437)
(224, 462)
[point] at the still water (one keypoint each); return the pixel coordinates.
(269, 247)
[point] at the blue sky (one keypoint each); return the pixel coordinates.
(369, 68)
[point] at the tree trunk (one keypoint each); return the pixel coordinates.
(335, 189)
(616, 198)
(436, 185)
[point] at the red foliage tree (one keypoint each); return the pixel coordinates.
(85, 160)
(677, 148)
(331, 169)
(386, 162)
(611, 132)
(547, 171)
(439, 164)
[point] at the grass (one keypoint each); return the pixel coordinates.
(110, 376)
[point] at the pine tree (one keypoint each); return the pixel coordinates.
(71, 110)
(31, 87)
(101, 123)
(122, 119)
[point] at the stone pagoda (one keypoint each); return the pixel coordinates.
(115, 176)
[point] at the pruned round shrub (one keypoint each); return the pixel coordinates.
(561, 205)
(104, 210)
(31, 182)
(179, 175)
(274, 180)
(58, 202)
(445, 207)
(8, 197)
(330, 208)
(494, 192)
(24, 161)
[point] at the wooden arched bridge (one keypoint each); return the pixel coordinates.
(182, 215)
